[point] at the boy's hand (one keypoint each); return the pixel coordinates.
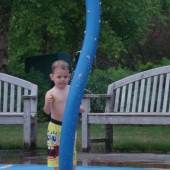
(53, 99)
(81, 109)
(50, 99)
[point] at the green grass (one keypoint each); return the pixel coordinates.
(126, 138)
(136, 138)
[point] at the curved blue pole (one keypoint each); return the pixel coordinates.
(78, 84)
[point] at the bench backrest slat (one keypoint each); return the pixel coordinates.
(154, 88)
(18, 99)
(141, 95)
(148, 87)
(135, 96)
(5, 97)
(12, 98)
(129, 97)
(159, 101)
(26, 92)
(122, 104)
(147, 91)
(117, 100)
(166, 94)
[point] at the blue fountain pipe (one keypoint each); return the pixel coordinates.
(78, 84)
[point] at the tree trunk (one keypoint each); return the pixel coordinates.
(4, 27)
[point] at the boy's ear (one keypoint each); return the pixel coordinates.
(51, 77)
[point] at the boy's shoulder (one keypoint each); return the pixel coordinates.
(50, 91)
(54, 89)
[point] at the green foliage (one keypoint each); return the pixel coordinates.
(109, 42)
(165, 4)
(98, 82)
(165, 61)
(44, 27)
(99, 79)
(43, 86)
(147, 66)
(16, 67)
(128, 19)
(38, 26)
(126, 26)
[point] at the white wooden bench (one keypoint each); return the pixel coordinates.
(140, 99)
(18, 105)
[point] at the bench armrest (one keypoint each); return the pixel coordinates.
(29, 96)
(97, 96)
(87, 98)
(33, 103)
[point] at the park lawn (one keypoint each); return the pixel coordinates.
(135, 138)
(126, 138)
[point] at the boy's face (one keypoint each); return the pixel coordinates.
(60, 77)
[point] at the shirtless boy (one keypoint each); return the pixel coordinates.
(55, 101)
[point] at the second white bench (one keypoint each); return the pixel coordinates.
(140, 99)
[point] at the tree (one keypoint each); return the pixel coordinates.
(37, 26)
(44, 27)
(127, 24)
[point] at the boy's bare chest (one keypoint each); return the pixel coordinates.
(61, 98)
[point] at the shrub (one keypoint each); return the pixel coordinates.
(98, 82)
(43, 86)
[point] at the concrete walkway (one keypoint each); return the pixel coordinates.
(132, 159)
(91, 161)
(124, 157)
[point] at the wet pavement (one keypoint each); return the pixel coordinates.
(140, 160)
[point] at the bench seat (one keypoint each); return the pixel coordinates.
(129, 118)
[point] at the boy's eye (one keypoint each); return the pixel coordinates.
(59, 77)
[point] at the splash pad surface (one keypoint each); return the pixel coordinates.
(86, 161)
(44, 167)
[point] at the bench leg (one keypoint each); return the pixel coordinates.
(109, 138)
(85, 127)
(86, 138)
(33, 134)
(27, 124)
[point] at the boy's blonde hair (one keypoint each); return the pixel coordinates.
(61, 64)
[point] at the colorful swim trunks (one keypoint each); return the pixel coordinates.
(53, 142)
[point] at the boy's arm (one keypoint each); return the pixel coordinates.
(48, 102)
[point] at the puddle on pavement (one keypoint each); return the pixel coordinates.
(39, 157)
